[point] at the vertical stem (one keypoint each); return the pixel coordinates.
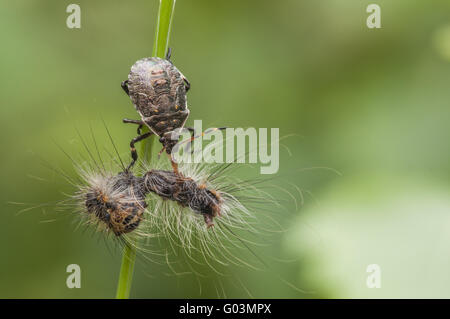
(165, 14)
(160, 47)
(126, 272)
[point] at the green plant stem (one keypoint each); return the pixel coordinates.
(160, 47)
(126, 272)
(165, 14)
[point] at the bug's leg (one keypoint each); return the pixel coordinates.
(160, 152)
(192, 131)
(187, 84)
(174, 165)
(134, 154)
(138, 122)
(124, 86)
(138, 130)
(169, 54)
(200, 135)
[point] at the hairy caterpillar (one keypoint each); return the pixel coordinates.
(119, 200)
(166, 212)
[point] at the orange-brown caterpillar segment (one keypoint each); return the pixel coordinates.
(117, 201)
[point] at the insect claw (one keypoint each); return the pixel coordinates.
(160, 152)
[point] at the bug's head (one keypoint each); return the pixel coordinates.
(169, 140)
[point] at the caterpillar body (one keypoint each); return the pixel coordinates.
(118, 201)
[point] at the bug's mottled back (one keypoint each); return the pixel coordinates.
(158, 92)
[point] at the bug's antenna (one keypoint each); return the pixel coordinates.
(114, 145)
(169, 54)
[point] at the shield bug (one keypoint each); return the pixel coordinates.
(158, 92)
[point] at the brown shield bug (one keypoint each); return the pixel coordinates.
(158, 91)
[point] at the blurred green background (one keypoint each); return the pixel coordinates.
(370, 103)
